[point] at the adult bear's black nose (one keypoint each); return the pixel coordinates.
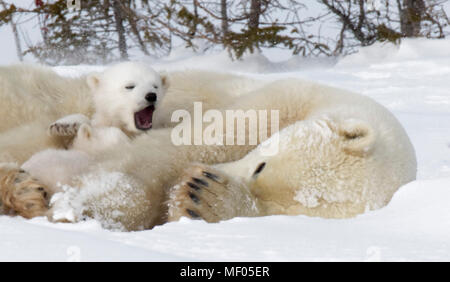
(151, 97)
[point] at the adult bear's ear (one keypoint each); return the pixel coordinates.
(85, 131)
(359, 137)
(165, 79)
(93, 80)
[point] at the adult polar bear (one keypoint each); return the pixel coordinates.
(340, 154)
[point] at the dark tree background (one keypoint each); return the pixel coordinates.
(108, 30)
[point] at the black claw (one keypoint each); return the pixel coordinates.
(193, 186)
(194, 198)
(211, 176)
(200, 181)
(193, 214)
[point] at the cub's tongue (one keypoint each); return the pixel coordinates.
(143, 118)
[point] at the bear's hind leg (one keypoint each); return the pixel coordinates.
(209, 194)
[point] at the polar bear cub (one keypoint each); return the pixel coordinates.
(44, 174)
(125, 96)
(32, 97)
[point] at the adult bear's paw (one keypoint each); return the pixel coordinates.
(68, 125)
(23, 195)
(208, 194)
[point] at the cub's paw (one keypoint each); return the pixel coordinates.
(208, 194)
(68, 125)
(23, 195)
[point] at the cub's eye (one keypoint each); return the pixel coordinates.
(130, 87)
(155, 86)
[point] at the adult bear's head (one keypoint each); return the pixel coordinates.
(126, 95)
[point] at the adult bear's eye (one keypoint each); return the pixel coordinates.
(259, 169)
(130, 87)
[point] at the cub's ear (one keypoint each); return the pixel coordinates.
(93, 80)
(85, 131)
(165, 79)
(359, 137)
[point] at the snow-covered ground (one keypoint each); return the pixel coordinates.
(412, 80)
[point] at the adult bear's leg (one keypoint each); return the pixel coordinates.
(207, 193)
(21, 194)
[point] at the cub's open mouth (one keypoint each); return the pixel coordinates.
(143, 118)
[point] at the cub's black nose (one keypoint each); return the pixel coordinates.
(151, 97)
